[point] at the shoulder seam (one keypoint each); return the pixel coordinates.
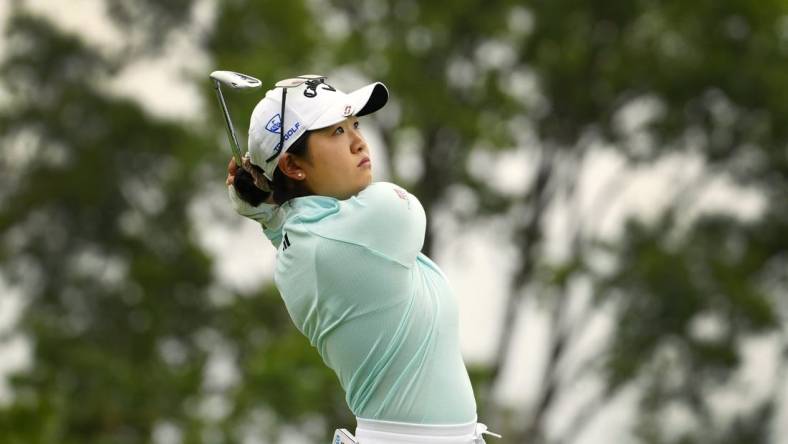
(371, 250)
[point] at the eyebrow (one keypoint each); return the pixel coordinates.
(333, 127)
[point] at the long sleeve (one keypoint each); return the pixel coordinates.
(383, 218)
(270, 217)
(380, 313)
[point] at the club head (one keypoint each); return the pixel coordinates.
(236, 80)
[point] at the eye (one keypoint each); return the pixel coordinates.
(356, 124)
(339, 131)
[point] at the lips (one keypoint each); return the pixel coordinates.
(364, 161)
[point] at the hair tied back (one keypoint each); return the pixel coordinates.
(260, 181)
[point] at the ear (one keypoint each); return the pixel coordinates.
(291, 166)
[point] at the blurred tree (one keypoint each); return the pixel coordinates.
(709, 71)
(129, 341)
(561, 77)
(123, 310)
(94, 193)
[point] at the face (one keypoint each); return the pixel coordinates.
(338, 164)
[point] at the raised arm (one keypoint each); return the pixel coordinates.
(383, 218)
(267, 213)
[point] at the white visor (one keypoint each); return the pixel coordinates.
(310, 106)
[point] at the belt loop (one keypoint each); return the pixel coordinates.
(481, 429)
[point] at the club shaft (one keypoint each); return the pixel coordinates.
(230, 129)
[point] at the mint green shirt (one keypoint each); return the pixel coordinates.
(380, 313)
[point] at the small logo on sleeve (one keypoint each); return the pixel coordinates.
(285, 243)
(402, 195)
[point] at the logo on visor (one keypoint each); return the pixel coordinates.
(274, 124)
(348, 110)
(289, 133)
(311, 87)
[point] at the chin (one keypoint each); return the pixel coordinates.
(363, 184)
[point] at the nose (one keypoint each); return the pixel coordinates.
(357, 142)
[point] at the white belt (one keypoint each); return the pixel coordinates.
(388, 432)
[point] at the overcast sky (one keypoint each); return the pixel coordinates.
(478, 273)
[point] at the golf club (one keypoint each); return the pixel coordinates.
(238, 81)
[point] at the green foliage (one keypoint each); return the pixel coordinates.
(278, 366)
(118, 292)
(108, 272)
(122, 311)
(668, 286)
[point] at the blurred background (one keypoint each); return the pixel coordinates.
(605, 183)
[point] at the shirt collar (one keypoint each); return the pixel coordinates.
(310, 208)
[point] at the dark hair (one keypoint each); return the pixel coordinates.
(283, 187)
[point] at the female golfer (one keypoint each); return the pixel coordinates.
(349, 267)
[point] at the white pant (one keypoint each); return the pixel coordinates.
(388, 432)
